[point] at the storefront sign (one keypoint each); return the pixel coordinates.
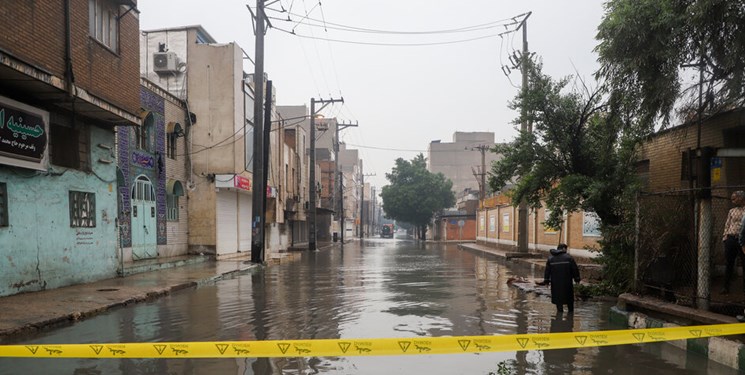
(23, 134)
(242, 183)
(232, 181)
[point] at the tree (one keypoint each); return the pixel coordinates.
(415, 194)
(644, 43)
(579, 156)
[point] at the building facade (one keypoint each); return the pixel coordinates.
(66, 85)
(460, 161)
(188, 63)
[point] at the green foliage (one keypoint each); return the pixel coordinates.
(578, 156)
(643, 44)
(415, 194)
(503, 368)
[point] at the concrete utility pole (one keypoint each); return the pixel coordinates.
(522, 212)
(259, 189)
(312, 177)
(482, 190)
(337, 174)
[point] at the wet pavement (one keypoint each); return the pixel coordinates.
(380, 288)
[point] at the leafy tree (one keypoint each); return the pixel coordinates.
(415, 194)
(579, 156)
(644, 43)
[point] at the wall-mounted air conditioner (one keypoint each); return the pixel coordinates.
(165, 62)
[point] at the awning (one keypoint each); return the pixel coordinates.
(174, 187)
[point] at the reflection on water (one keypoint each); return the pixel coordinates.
(382, 288)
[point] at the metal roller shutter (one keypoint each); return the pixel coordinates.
(227, 222)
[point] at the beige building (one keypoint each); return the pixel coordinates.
(461, 160)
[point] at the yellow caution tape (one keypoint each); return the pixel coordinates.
(370, 347)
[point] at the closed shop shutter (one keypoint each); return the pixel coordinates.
(227, 222)
(244, 222)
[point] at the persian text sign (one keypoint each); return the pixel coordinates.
(242, 183)
(23, 133)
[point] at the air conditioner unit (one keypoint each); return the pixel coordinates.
(165, 62)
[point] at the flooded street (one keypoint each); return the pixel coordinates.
(380, 288)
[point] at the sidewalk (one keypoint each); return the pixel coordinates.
(27, 312)
(590, 271)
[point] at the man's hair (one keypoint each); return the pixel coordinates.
(562, 246)
(740, 194)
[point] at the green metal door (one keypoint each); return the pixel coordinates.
(144, 240)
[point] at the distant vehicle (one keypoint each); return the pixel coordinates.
(386, 231)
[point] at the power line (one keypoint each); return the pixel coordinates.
(336, 26)
(388, 44)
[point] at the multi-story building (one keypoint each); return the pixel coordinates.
(349, 167)
(461, 160)
(153, 173)
(209, 77)
(69, 79)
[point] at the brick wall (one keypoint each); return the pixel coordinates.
(35, 33)
(664, 150)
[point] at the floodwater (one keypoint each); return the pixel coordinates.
(375, 289)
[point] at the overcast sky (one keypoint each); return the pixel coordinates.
(403, 97)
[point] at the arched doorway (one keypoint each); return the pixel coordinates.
(144, 222)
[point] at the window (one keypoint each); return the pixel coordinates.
(69, 147)
(3, 205)
(172, 207)
(103, 22)
(82, 209)
(171, 145)
(144, 132)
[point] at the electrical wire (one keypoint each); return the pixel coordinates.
(388, 44)
(337, 26)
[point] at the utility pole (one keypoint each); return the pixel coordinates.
(338, 174)
(259, 188)
(522, 212)
(312, 177)
(482, 186)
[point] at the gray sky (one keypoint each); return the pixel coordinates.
(402, 96)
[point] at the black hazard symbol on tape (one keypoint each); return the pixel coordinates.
(344, 346)
(283, 347)
(97, 348)
(404, 345)
(33, 349)
(639, 337)
(464, 344)
(522, 342)
(696, 332)
(581, 339)
(222, 348)
(160, 348)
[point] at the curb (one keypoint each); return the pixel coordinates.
(718, 349)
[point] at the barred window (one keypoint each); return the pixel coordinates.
(82, 209)
(103, 22)
(3, 205)
(172, 207)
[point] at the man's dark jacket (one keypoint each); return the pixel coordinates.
(561, 269)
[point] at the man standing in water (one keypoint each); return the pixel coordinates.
(561, 269)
